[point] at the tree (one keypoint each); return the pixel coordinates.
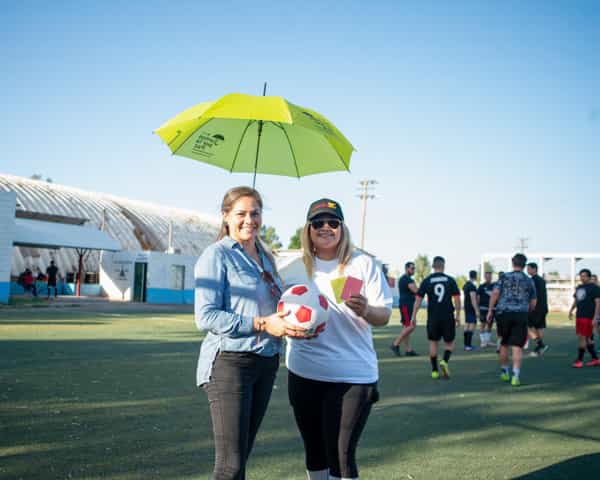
(295, 243)
(422, 268)
(39, 176)
(488, 267)
(270, 237)
(460, 281)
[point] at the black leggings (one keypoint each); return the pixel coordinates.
(238, 393)
(331, 417)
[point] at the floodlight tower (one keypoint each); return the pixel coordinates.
(367, 187)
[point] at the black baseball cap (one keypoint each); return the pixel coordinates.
(324, 205)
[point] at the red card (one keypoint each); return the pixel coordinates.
(352, 287)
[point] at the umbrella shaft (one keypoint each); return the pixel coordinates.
(260, 127)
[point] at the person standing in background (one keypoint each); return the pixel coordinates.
(52, 273)
(515, 296)
(407, 288)
(537, 317)
(471, 310)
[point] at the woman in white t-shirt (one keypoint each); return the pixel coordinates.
(332, 381)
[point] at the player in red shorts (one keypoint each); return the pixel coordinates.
(407, 289)
(587, 302)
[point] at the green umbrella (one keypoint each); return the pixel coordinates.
(258, 134)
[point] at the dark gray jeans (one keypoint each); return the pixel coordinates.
(238, 394)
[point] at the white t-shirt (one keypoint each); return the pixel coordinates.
(344, 351)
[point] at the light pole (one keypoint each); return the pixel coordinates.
(367, 187)
(523, 244)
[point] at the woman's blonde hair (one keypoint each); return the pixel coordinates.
(344, 252)
(231, 197)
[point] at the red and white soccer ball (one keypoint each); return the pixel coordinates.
(308, 308)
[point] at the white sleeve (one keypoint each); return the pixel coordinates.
(377, 290)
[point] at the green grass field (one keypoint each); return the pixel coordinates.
(112, 396)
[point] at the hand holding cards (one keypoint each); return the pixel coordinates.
(345, 287)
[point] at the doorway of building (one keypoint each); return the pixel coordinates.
(139, 282)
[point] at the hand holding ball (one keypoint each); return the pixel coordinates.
(308, 308)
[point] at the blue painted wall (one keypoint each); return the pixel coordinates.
(167, 296)
(4, 292)
(87, 289)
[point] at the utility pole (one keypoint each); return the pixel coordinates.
(367, 187)
(522, 245)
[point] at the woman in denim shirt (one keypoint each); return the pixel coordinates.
(237, 290)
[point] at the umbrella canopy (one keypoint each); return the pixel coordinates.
(246, 133)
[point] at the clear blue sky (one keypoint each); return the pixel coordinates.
(479, 120)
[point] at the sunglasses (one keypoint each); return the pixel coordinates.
(270, 281)
(317, 224)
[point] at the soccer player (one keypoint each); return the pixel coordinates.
(407, 289)
(484, 292)
(587, 303)
(537, 318)
(515, 296)
(471, 310)
(595, 280)
(499, 339)
(441, 291)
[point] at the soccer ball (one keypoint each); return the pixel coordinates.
(308, 308)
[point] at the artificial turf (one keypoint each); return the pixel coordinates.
(111, 395)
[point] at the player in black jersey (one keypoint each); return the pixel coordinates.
(597, 321)
(537, 317)
(471, 309)
(407, 288)
(484, 292)
(587, 303)
(441, 291)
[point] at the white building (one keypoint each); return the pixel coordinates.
(138, 227)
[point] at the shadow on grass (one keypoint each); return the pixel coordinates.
(117, 408)
(584, 466)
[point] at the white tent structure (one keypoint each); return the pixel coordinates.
(136, 226)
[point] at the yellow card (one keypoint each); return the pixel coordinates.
(338, 284)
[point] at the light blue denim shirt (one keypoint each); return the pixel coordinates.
(230, 292)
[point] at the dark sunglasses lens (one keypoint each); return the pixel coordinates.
(316, 224)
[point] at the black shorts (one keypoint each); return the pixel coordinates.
(512, 327)
(406, 312)
(536, 320)
(441, 328)
(483, 316)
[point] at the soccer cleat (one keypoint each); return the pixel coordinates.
(445, 369)
(577, 364)
(515, 382)
(411, 353)
(535, 354)
(396, 350)
(593, 363)
(543, 350)
(504, 376)
(468, 349)
(435, 374)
